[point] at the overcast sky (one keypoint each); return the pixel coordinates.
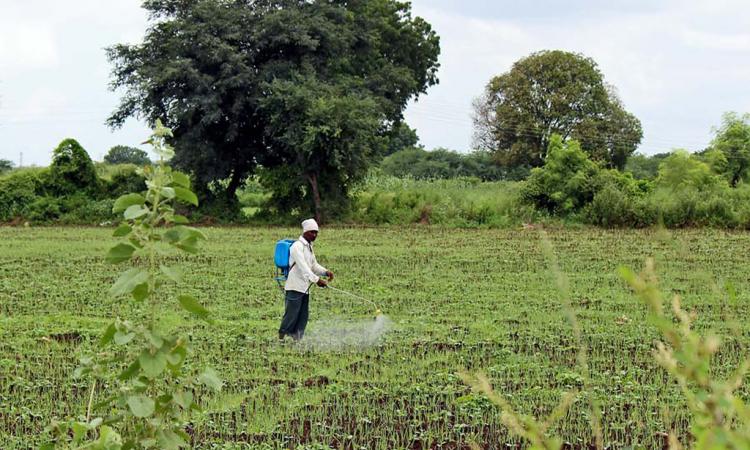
(677, 65)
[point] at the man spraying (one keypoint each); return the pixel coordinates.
(304, 270)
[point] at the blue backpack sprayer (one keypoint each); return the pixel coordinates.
(281, 258)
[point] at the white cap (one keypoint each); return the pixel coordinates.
(309, 225)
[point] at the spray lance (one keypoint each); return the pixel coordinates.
(378, 312)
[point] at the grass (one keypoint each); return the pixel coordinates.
(460, 300)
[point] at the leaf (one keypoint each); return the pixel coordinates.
(120, 253)
(172, 273)
(128, 281)
(168, 193)
(186, 195)
(183, 399)
(210, 379)
(189, 245)
(169, 440)
(154, 339)
(152, 365)
(126, 201)
(177, 356)
(141, 406)
(134, 212)
(122, 230)
(122, 338)
(192, 305)
(180, 219)
(180, 179)
(130, 372)
(140, 292)
(109, 334)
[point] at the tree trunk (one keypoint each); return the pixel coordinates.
(313, 179)
(233, 185)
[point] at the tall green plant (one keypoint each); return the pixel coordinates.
(147, 393)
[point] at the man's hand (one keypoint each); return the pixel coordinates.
(321, 282)
(329, 274)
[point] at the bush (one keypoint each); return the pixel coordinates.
(566, 182)
(124, 179)
(19, 189)
(72, 171)
(43, 210)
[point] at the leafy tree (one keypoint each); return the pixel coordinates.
(122, 154)
(733, 140)
(553, 92)
(246, 83)
(402, 137)
(441, 163)
(645, 167)
(72, 170)
(682, 170)
(5, 165)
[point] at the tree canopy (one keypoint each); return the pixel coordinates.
(122, 154)
(308, 90)
(5, 165)
(732, 141)
(553, 92)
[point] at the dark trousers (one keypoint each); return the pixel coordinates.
(296, 313)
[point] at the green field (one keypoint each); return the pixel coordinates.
(458, 299)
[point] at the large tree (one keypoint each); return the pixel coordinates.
(304, 88)
(553, 92)
(122, 154)
(732, 141)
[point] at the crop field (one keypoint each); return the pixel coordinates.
(456, 300)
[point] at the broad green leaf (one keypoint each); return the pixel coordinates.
(192, 305)
(122, 337)
(210, 379)
(154, 339)
(168, 193)
(130, 372)
(153, 365)
(126, 201)
(122, 230)
(186, 195)
(177, 356)
(120, 253)
(108, 439)
(79, 431)
(183, 399)
(172, 273)
(134, 212)
(189, 245)
(172, 235)
(194, 232)
(141, 406)
(169, 440)
(180, 179)
(108, 335)
(128, 281)
(140, 293)
(180, 219)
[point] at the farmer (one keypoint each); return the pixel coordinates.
(304, 271)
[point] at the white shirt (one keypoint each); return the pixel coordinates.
(306, 269)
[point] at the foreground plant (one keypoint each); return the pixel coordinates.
(148, 396)
(721, 419)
